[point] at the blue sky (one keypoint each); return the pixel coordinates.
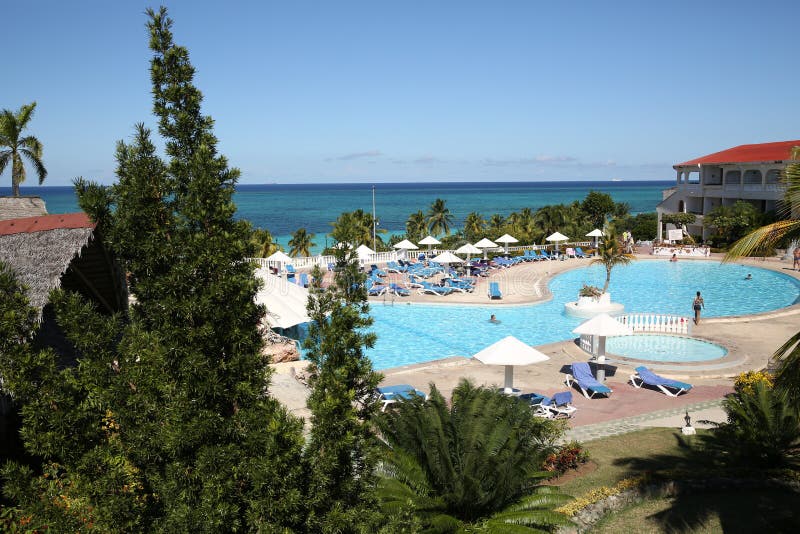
(379, 91)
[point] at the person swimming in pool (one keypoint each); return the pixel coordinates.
(748, 277)
(494, 319)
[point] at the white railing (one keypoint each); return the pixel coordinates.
(645, 322)
(657, 322)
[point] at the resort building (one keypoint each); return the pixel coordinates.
(751, 173)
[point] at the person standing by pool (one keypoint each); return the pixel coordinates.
(698, 305)
(796, 254)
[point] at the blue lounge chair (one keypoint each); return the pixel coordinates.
(558, 407)
(431, 289)
(460, 285)
(579, 253)
(545, 256)
(373, 289)
(399, 291)
(494, 291)
(303, 280)
(290, 272)
(582, 375)
(394, 267)
(391, 394)
(645, 376)
(374, 270)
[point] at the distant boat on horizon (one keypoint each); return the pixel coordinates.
(616, 179)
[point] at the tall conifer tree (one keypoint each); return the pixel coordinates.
(165, 424)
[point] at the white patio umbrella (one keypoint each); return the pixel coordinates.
(595, 234)
(430, 240)
(485, 244)
(603, 326)
(509, 352)
(556, 237)
(468, 249)
(447, 258)
(285, 302)
(364, 252)
(405, 245)
(506, 239)
(280, 258)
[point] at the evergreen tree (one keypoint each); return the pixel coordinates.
(165, 423)
(339, 455)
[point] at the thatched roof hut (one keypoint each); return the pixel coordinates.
(52, 251)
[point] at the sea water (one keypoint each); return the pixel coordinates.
(283, 208)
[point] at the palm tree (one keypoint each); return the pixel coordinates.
(300, 243)
(416, 226)
(474, 226)
(13, 147)
(768, 237)
(264, 242)
(496, 224)
(611, 254)
(439, 218)
(477, 462)
(549, 219)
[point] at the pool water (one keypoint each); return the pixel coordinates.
(415, 333)
(664, 348)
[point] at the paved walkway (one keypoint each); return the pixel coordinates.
(700, 412)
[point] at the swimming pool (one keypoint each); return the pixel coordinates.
(658, 348)
(415, 333)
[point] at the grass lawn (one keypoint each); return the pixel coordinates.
(741, 511)
(653, 447)
(656, 449)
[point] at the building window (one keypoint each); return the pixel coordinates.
(773, 176)
(733, 177)
(752, 177)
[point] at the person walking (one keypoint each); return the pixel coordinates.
(698, 305)
(796, 254)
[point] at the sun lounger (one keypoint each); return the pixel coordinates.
(431, 289)
(399, 291)
(460, 285)
(394, 267)
(645, 376)
(545, 256)
(579, 253)
(290, 272)
(558, 407)
(570, 252)
(374, 289)
(303, 280)
(391, 394)
(494, 291)
(582, 375)
(374, 270)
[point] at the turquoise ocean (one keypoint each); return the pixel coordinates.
(283, 208)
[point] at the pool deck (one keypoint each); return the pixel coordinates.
(750, 341)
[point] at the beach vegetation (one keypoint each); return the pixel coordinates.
(762, 429)
(355, 228)
(440, 220)
(730, 223)
(610, 254)
(416, 226)
(598, 207)
(474, 227)
(301, 243)
(784, 232)
(164, 423)
(15, 147)
(264, 243)
(642, 225)
(475, 463)
(340, 455)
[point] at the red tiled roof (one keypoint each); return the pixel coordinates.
(43, 223)
(779, 151)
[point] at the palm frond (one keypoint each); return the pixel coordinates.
(788, 375)
(765, 237)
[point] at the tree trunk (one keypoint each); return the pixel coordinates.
(608, 279)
